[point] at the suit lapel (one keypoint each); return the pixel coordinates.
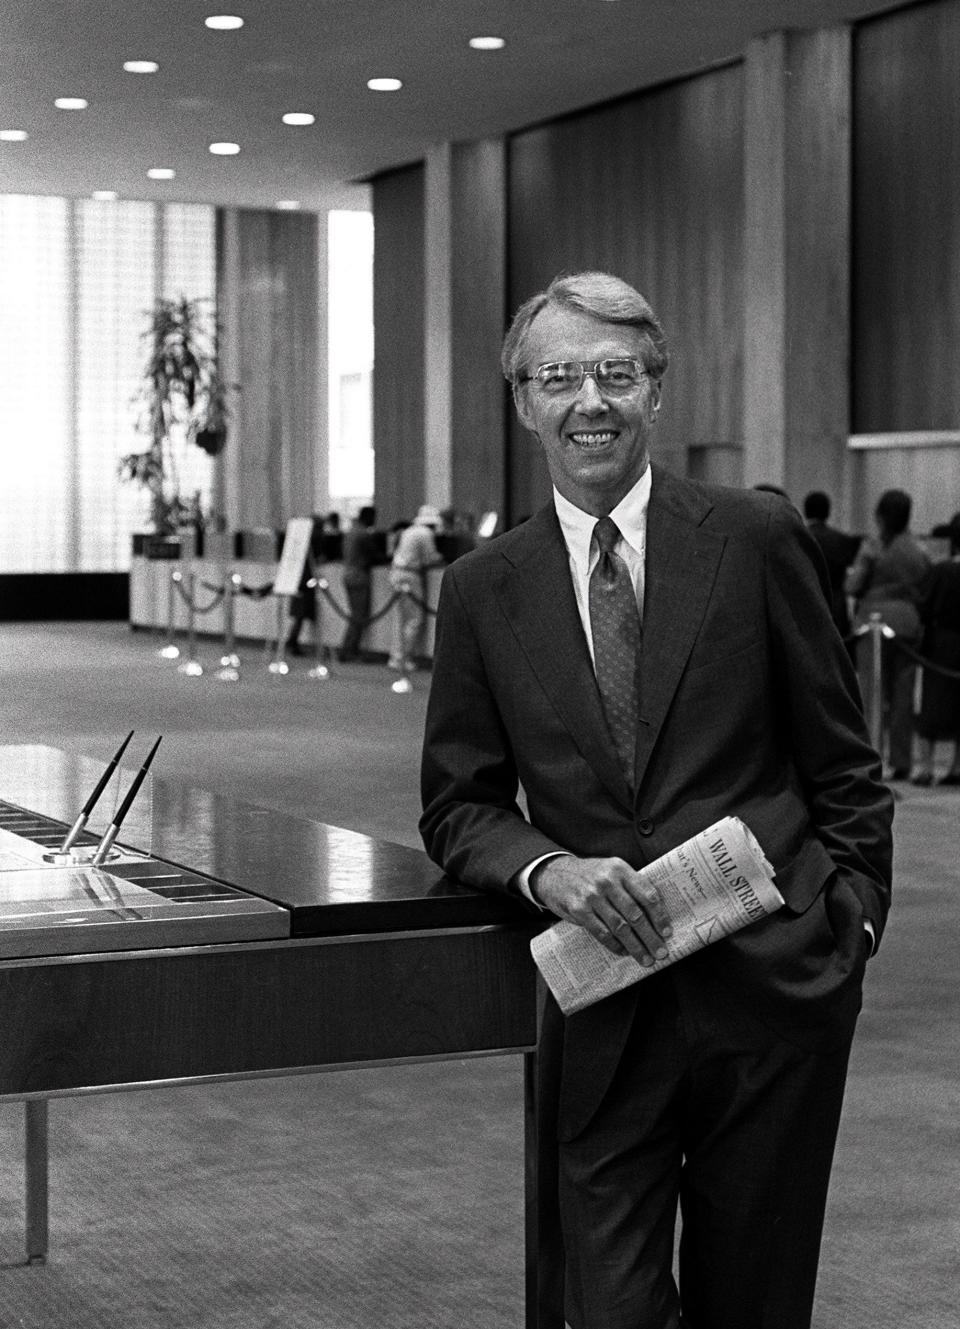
(681, 567)
(536, 595)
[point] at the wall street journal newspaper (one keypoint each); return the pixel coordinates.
(713, 884)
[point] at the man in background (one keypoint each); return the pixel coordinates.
(416, 551)
(361, 554)
(838, 549)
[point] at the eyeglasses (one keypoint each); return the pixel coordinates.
(564, 378)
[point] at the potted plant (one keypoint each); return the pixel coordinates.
(183, 402)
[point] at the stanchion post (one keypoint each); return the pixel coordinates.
(171, 651)
(278, 665)
(191, 666)
(229, 671)
(878, 632)
(404, 683)
(321, 669)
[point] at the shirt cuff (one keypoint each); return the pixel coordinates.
(868, 929)
(522, 878)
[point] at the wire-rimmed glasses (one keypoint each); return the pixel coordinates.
(562, 378)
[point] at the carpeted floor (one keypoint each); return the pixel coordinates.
(382, 1199)
(342, 1201)
(345, 751)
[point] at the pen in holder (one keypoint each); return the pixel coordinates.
(67, 853)
(110, 834)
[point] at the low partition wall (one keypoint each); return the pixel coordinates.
(34, 597)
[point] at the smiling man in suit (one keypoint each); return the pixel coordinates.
(644, 656)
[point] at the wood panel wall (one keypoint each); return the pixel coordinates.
(906, 221)
(480, 399)
(268, 300)
(651, 188)
(797, 237)
(930, 475)
(398, 312)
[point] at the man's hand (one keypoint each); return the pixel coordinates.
(607, 897)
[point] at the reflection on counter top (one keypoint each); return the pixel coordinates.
(334, 881)
(137, 903)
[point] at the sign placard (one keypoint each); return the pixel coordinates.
(296, 548)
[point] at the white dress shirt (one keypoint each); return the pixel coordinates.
(630, 515)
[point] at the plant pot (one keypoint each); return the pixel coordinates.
(212, 441)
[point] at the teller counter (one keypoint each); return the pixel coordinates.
(258, 619)
(222, 941)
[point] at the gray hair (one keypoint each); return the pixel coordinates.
(606, 298)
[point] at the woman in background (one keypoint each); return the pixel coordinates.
(888, 578)
(939, 716)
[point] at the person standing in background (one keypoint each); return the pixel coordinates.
(838, 549)
(415, 552)
(361, 553)
(888, 578)
(331, 537)
(939, 716)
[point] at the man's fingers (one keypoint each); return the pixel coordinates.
(601, 926)
(638, 928)
(635, 937)
(647, 899)
(607, 938)
(607, 897)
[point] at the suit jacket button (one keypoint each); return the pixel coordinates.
(645, 826)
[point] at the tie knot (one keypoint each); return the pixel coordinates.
(606, 533)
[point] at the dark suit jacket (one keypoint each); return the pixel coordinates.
(748, 707)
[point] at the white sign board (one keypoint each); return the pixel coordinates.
(296, 548)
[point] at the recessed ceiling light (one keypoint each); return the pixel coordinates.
(287, 204)
(384, 84)
(14, 135)
(224, 22)
(161, 173)
(70, 103)
(298, 118)
(141, 66)
(224, 149)
(104, 195)
(487, 43)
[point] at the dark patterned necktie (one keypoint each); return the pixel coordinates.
(615, 625)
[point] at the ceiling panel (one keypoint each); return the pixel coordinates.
(315, 56)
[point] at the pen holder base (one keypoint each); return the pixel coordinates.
(77, 857)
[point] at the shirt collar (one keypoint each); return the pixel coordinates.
(630, 514)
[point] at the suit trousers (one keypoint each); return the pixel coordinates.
(712, 1112)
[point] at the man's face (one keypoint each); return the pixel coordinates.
(595, 444)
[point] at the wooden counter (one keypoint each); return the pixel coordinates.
(386, 961)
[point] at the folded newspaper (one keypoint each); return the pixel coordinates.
(713, 884)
